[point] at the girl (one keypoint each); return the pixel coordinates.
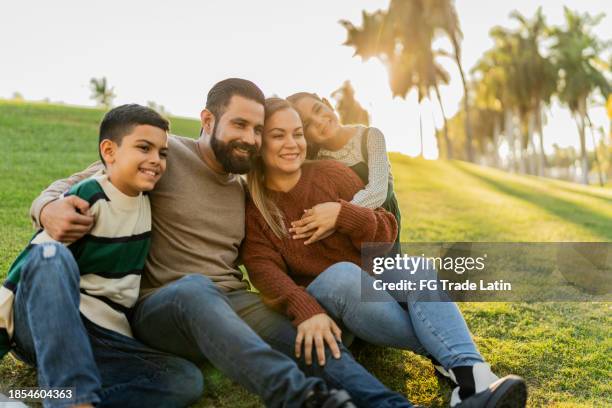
(361, 148)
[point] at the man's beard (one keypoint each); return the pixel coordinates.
(224, 152)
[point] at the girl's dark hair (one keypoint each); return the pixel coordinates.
(313, 148)
(299, 95)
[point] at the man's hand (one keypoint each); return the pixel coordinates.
(316, 223)
(319, 329)
(62, 221)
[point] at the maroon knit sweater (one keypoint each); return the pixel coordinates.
(281, 269)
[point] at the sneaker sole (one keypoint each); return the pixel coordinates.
(512, 393)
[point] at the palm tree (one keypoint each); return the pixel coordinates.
(443, 14)
(349, 109)
(500, 85)
(541, 80)
(574, 52)
(401, 39)
(442, 77)
(101, 92)
(524, 80)
(488, 97)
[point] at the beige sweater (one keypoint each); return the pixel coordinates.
(198, 219)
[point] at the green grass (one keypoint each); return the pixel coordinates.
(564, 350)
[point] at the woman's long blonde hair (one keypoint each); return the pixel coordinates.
(257, 183)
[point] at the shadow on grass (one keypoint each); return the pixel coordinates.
(578, 191)
(568, 211)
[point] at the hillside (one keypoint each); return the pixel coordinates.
(562, 349)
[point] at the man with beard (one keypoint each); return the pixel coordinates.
(194, 302)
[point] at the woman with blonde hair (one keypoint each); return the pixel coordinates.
(317, 284)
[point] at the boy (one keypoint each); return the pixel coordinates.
(71, 319)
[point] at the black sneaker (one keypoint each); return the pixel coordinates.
(507, 392)
(329, 399)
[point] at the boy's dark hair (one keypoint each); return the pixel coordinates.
(220, 94)
(119, 122)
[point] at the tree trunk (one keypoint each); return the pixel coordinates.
(449, 146)
(466, 103)
(510, 139)
(534, 165)
(584, 160)
(542, 157)
(496, 131)
(595, 152)
(523, 146)
(421, 129)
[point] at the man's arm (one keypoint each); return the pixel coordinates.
(65, 219)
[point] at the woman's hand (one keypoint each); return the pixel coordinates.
(316, 223)
(319, 329)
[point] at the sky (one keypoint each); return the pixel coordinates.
(172, 53)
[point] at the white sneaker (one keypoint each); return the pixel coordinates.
(491, 391)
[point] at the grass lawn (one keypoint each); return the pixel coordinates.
(564, 350)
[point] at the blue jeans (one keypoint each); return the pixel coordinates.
(250, 343)
(103, 367)
(430, 325)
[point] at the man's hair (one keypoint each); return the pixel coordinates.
(220, 94)
(120, 121)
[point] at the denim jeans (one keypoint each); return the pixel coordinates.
(250, 343)
(103, 367)
(430, 325)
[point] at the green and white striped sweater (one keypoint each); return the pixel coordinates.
(110, 258)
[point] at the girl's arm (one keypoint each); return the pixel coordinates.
(374, 194)
(361, 224)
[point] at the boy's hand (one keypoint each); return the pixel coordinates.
(316, 223)
(62, 221)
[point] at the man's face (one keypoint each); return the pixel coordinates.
(237, 134)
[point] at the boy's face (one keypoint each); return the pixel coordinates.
(139, 162)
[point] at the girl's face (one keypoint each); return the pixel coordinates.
(284, 147)
(320, 121)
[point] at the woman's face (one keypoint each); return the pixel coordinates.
(284, 147)
(320, 121)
